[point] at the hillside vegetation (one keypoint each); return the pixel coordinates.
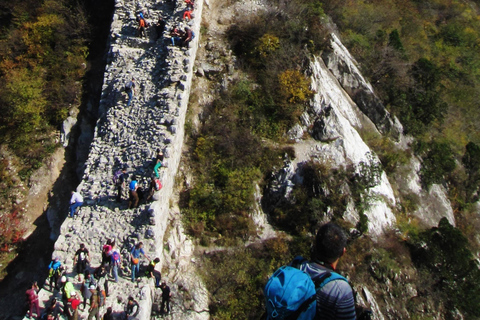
(43, 51)
(422, 58)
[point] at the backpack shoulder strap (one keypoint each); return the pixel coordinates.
(327, 277)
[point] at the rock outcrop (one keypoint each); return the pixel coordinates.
(130, 135)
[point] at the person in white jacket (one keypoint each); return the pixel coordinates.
(75, 201)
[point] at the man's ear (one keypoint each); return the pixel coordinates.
(344, 250)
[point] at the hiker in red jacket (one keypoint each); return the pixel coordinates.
(32, 297)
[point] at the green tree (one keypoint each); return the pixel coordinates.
(471, 162)
(444, 252)
(438, 162)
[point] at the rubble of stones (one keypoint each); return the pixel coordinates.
(129, 136)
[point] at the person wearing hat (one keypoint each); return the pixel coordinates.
(94, 303)
(68, 290)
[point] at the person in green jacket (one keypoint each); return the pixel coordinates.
(158, 162)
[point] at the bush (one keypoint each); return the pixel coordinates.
(438, 162)
(471, 162)
(444, 252)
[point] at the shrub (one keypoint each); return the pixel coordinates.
(443, 250)
(438, 162)
(267, 44)
(295, 86)
(471, 162)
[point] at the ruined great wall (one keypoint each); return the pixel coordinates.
(130, 135)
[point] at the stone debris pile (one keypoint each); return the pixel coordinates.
(128, 136)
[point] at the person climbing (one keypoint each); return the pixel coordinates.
(158, 162)
(119, 179)
(176, 35)
(187, 37)
(68, 290)
(55, 270)
(130, 90)
(109, 314)
(107, 252)
(166, 295)
(87, 283)
(142, 24)
(132, 308)
(187, 14)
(335, 299)
(94, 310)
(152, 273)
(116, 264)
(133, 190)
(100, 275)
(190, 4)
(81, 260)
(32, 298)
(53, 311)
(160, 27)
(76, 201)
(135, 254)
(155, 185)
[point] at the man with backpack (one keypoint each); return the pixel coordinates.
(55, 270)
(324, 293)
(155, 185)
(130, 90)
(133, 191)
(142, 24)
(116, 264)
(119, 179)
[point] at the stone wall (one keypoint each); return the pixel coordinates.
(129, 135)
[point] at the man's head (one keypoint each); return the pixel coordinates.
(157, 260)
(82, 246)
(330, 243)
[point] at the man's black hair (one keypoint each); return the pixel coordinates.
(329, 243)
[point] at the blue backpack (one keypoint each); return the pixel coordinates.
(290, 293)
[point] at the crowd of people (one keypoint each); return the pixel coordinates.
(94, 281)
(178, 37)
(94, 285)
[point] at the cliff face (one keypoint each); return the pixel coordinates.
(344, 105)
